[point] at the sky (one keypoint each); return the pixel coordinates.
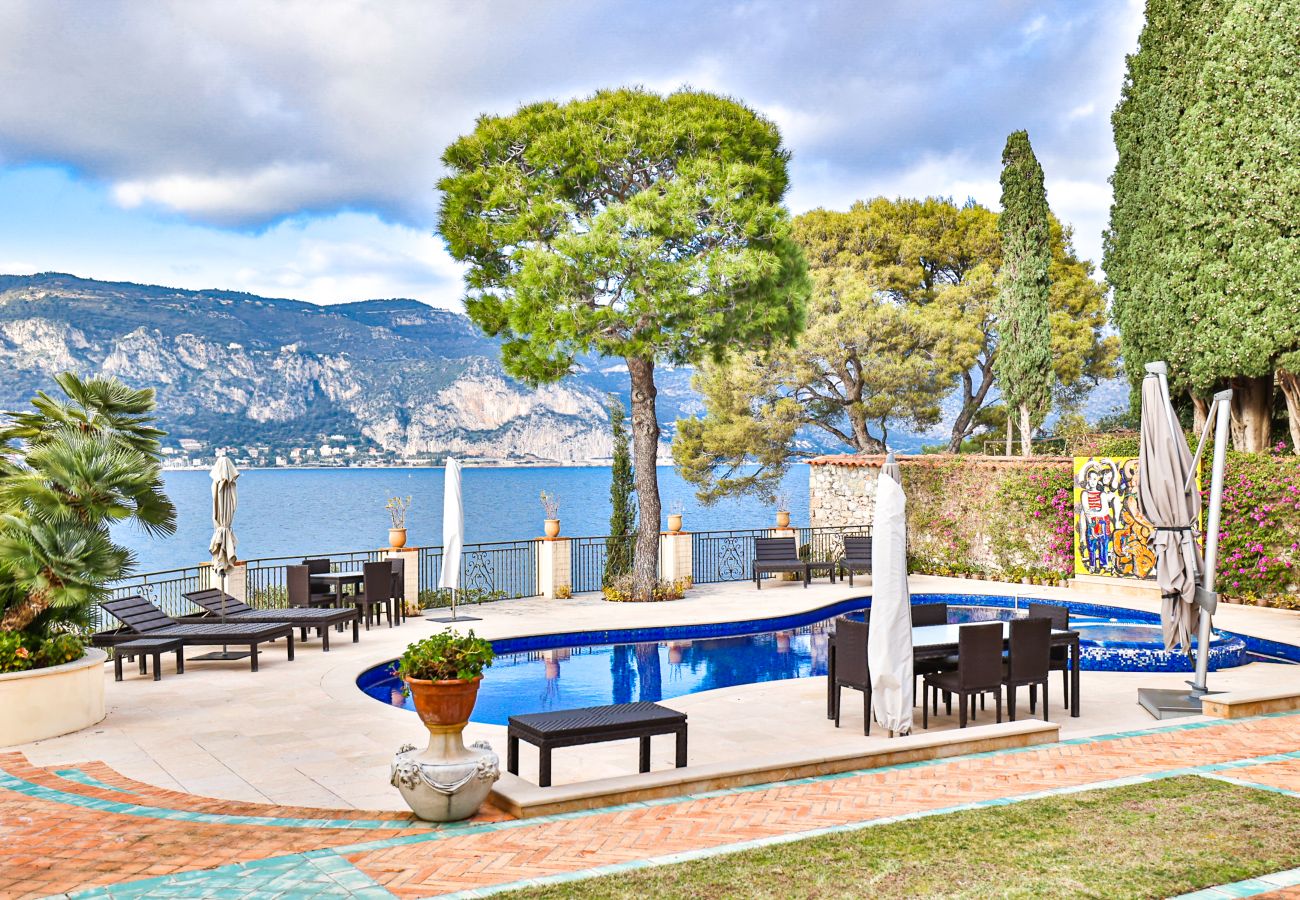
(291, 149)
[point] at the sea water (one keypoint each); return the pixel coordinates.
(298, 512)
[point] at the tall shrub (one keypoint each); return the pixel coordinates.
(69, 469)
(622, 515)
(1024, 361)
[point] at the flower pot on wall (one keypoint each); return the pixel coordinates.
(782, 518)
(552, 527)
(674, 522)
(397, 538)
(447, 781)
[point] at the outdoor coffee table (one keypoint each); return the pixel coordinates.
(145, 647)
(940, 641)
(592, 725)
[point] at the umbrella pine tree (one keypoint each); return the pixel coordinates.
(631, 225)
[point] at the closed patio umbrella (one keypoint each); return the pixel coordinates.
(222, 546)
(453, 536)
(889, 640)
(1165, 466)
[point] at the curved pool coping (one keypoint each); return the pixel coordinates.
(1233, 648)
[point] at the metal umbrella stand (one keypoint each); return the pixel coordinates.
(1169, 498)
(222, 546)
(453, 539)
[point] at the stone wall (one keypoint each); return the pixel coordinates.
(967, 513)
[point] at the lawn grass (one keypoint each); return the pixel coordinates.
(1155, 839)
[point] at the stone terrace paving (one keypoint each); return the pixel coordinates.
(127, 808)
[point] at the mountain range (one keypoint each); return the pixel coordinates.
(233, 369)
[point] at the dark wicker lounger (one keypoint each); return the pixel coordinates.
(302, 617)
(142, 619)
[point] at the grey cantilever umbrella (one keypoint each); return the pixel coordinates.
(1165, 466)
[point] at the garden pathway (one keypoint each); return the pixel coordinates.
(88, 831)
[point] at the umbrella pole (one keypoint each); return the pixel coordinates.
(1208, 577)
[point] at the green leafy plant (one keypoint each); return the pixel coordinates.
(445, 656)
(563, 591)
(70, 468)
(397, 508)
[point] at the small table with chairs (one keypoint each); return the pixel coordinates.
(938, 649)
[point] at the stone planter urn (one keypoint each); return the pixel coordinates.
(397, 538)
(674, 522)
(782, 519)
(446, 781)
(552, 528)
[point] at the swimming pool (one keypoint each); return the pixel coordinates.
(563, 671)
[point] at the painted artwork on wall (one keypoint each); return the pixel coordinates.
(1111, 537)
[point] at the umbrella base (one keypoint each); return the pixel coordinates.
(454, 619)
(1171, 704)
(223, 654)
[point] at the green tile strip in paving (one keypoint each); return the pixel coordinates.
(1251, 887)
(1254, 784)
(81, 777)
(319, 873)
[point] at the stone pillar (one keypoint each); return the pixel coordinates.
(236, 580)
(675, 562)
(410, 572)
(554, 566)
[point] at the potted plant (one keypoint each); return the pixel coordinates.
(675, 516)
(782, 511)
(551, 505)
(442, 673)
(397, 507)
(447, 781)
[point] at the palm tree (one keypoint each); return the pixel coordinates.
(70, 469)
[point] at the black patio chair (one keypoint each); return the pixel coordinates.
(1060, 658)
(321, 595)
(851, 668)
(979, 671)
(399, 588)
(1028, 661)
(857, 556)
(376, 591)
(777, 554)
(930, 614)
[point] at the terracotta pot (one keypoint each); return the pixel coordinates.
(397, 538)
(443, 704)
(674, 522)
(782, 519)
(552, 527)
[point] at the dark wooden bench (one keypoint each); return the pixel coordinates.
(144, 648)
(781, 554)
(857, 556)
(593, 725)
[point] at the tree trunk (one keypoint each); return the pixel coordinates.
(645, 453)
(1200, 413)
(1252, 409)
(1026, 431)
(1011, 432)
(1290, 384)
(972, 401)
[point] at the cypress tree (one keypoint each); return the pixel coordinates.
(622, 516)
(1024, 355)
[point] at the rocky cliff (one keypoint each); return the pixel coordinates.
(236, 369)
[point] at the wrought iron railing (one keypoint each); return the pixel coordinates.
(507, 569)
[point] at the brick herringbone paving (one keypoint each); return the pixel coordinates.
(1284, 774)
(51, 844)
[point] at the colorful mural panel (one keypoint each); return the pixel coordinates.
(1111, 537)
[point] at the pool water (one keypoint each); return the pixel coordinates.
(594, 669)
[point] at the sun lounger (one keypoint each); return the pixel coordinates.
(322, 619)
(141, 618)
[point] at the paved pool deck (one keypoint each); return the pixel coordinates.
(222, 782)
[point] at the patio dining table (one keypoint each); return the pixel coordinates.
(939, 641)
(338, 580)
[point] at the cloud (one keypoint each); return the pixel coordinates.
(244, 114)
